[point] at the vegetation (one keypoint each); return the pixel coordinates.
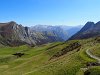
(37, 60)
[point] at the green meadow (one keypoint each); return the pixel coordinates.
(36, 60)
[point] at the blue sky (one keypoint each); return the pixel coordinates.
(50, 12)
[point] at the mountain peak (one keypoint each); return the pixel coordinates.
(89, 30)
(98, 23)
(87, 26)
(89, 23)
(12, 22)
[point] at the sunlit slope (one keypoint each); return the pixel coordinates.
(38, 60)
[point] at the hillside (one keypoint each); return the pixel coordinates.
(73, 30)
(19, 57)
(49, 37)
(61, 31)
(57, 30)
(90, 29)
(14, 34)
(60, 58)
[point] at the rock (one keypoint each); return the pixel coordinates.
(14, 34)
(92, 64)
(18, 54)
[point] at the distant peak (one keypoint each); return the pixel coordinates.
(89, 23)
(12, 22)
(98, 23)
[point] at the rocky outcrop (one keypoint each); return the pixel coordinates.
(70, 47)
(13, 34)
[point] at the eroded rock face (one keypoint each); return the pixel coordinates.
(14, 34)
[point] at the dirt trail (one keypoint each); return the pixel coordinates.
(93, 56)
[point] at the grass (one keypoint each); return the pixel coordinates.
(36, 60)
(94, 71)
(96, 50)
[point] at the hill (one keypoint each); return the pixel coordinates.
(60, 58)
(90, 29)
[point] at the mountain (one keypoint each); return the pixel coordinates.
(14, 34)
(90, 29)
(71, 30)
(73, 57)
(59, 58)
(74, 30)
(61, 31)
(56, 30)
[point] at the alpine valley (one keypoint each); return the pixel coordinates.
(49, 50)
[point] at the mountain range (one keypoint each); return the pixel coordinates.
(61, 31)
(14, 34)
(47, 52)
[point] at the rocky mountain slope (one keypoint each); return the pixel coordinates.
(14, 34)
(90, 29)
(73, 30)
(61, 31)
(55, 30)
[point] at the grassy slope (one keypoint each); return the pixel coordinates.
(96, 50)
(36, 60)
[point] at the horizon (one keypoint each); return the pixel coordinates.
(50, 12)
